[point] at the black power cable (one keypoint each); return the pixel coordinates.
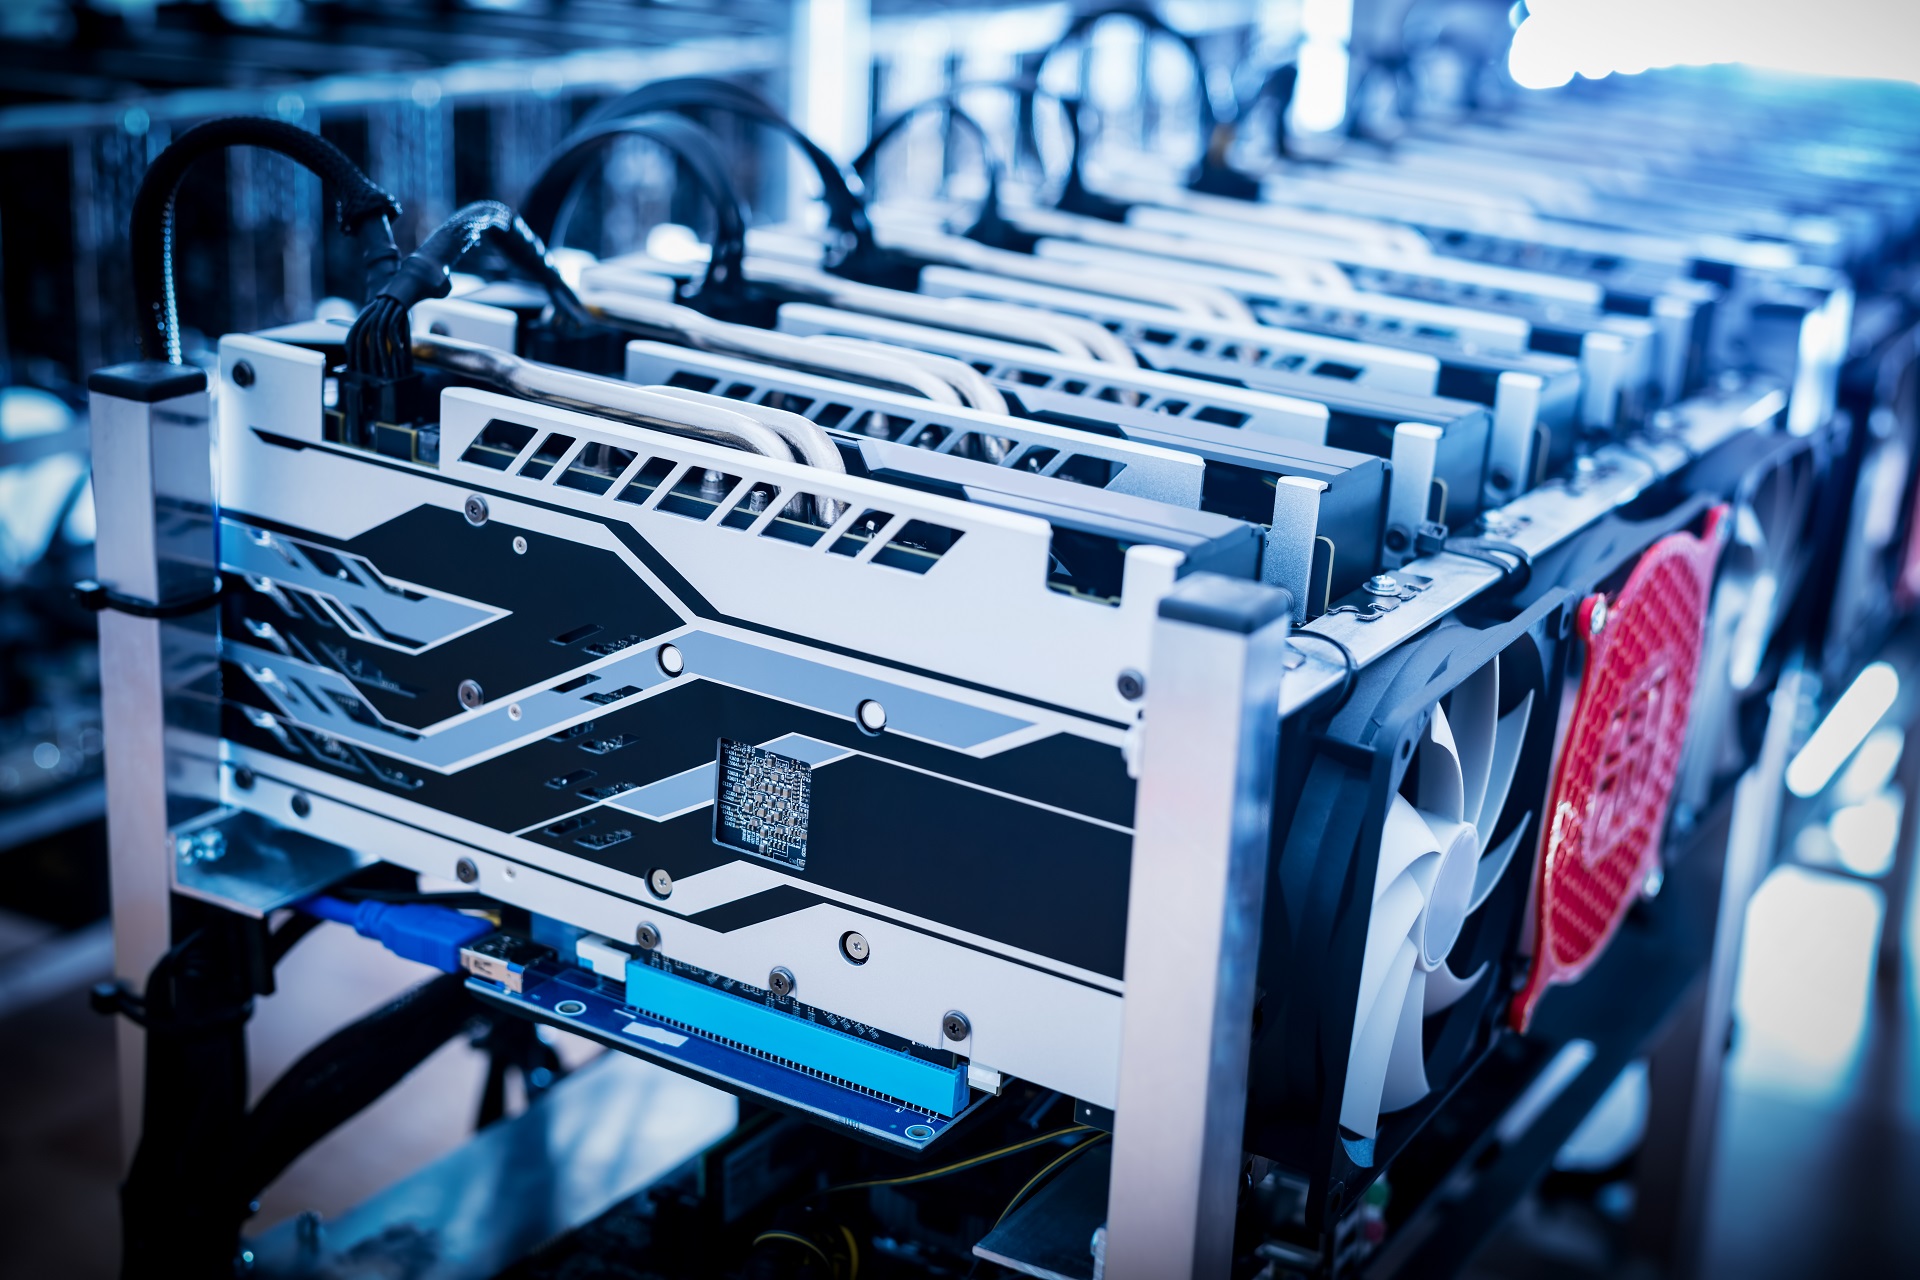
(549, 200)
(990, 227)
(341, 1076)
(364, 210)
(380, 344)
(1212, 175)
(853, 252)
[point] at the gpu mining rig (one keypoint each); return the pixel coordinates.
(1147, 723)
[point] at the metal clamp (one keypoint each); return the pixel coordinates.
(1517, 571)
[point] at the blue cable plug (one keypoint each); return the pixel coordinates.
(413, 931)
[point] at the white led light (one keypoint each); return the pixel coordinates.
(1320, 95)
(1870, 696)
(1864, 835)
(1558, 38)
(1872, 766)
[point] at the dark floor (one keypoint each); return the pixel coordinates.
(59, 1122)
(1817, 1168)
(1819, 1152)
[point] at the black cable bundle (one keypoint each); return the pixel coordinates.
(990, 226)
(380, 344)
(549, 201)
(364, 210)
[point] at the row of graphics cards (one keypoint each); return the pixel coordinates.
(848, 653)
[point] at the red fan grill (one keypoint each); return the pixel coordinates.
(1616, 771)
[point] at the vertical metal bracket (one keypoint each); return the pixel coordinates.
(1516, 411)
(1674, 316)
(1201, 831)
(153, 490)
(1416, 455)
(1603, 375)
(1287, 560)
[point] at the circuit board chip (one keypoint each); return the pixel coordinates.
(761, 803)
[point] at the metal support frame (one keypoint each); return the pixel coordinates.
(1686, 1068)
(1201, 832)
(1897, 886)
(153, 490)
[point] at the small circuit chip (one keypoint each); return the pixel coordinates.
(761, 803)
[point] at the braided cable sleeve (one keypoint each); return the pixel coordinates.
(362, 208)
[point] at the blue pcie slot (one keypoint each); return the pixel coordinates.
(582, 1001)
(722, 1016)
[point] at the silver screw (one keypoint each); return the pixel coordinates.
(781, 981)
(854, 947)
(672, 661)
(209, 844)
(1383, 584)
(513, 711)
(476, 509)
(954, 1026)
(465, 871)
(1597, 620)
(660, 882)
(519, 545)
(471, 694)
(647, 936)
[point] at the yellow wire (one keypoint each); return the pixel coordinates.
(957, 1166)
(1034, 1181)
(853, 1255)
(793, 1238)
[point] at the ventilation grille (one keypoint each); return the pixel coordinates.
(1608, 806)
(1244, 350)
(1006, 445)
(698, 492)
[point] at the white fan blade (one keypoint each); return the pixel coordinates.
(1445, 989)
(1448, 882)
(1406, 1081)
(1493, 865)
(1373, 1045)
(1508, 737)
(1474, 720)
(1441, 789)
(1387, 930)
(1405, 839)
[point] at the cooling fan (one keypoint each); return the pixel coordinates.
(1619, 755)
(1438, 866)
(1404, 829)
